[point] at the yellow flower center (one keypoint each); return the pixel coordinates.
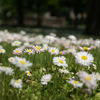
(38, 48)
(63, 70)
(96, 75)
(17, 51)
(84, 57)
(22, 62)
(53, 50)
(1, 50)
(71, 50)
(16, 42)
(16, 81)
(85, 48)
(29, 50)
(29, 73)
(61, 61)
(60, 52)
(4, 67)
(88, 78)
(49, 37)
(76, 82)
(95, 68)
(11, 59)
(65, 44)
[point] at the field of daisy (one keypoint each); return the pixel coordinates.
(49, 67)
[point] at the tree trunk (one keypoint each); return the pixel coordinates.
(39, 13)
(93, 19)
(20, 15)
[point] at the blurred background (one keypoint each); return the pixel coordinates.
(80, 15)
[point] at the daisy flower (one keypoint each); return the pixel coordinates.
(46, 78)
(75, 83)
(50, 39)
(87, 91)
(22, 32)
(28, 73)
(29, 51)
(62, 52)
(96, 76)
(11, 59)
(38, 49)
(84, 58)
(84, 48)
(94, 66)
(3, 68)
(60, 61)
(22, 63)
(63, 71)
(7, 70)
(88, 79)
(53, 50)
(17, 51)
(71, 51)
(26, 44)
(45, 47)
(16, 83)
(16, 43)
(52, 34)
(2, 51)
(72, 37)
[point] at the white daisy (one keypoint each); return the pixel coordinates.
(45, 46)
(72, 37)
(84, 58)
(53, 50)
(84, 48)
(22, 32)
(52, 34)
(63, 71)
(87, 91)
(37, 49)
(28, 73)
(11, 59)
(88, 79)
(17, 51)
(29, 51)
(2, 51)
(22, 63)
(26, 44)
(96, 76)
(46, 78)
(16, 83)
(71, 50)
(75, 83)
(7, 70)
(50, 39)
(94, 66)
(16, 43)
(60, 61)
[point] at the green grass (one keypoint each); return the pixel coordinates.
(57, 89)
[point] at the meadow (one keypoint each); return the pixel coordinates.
(38, 67)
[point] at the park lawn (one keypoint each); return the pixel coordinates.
(58, 87)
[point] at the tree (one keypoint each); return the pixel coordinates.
(15, 7)
(93, 20)
(20, 12)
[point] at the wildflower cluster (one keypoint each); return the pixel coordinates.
(48, 67)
